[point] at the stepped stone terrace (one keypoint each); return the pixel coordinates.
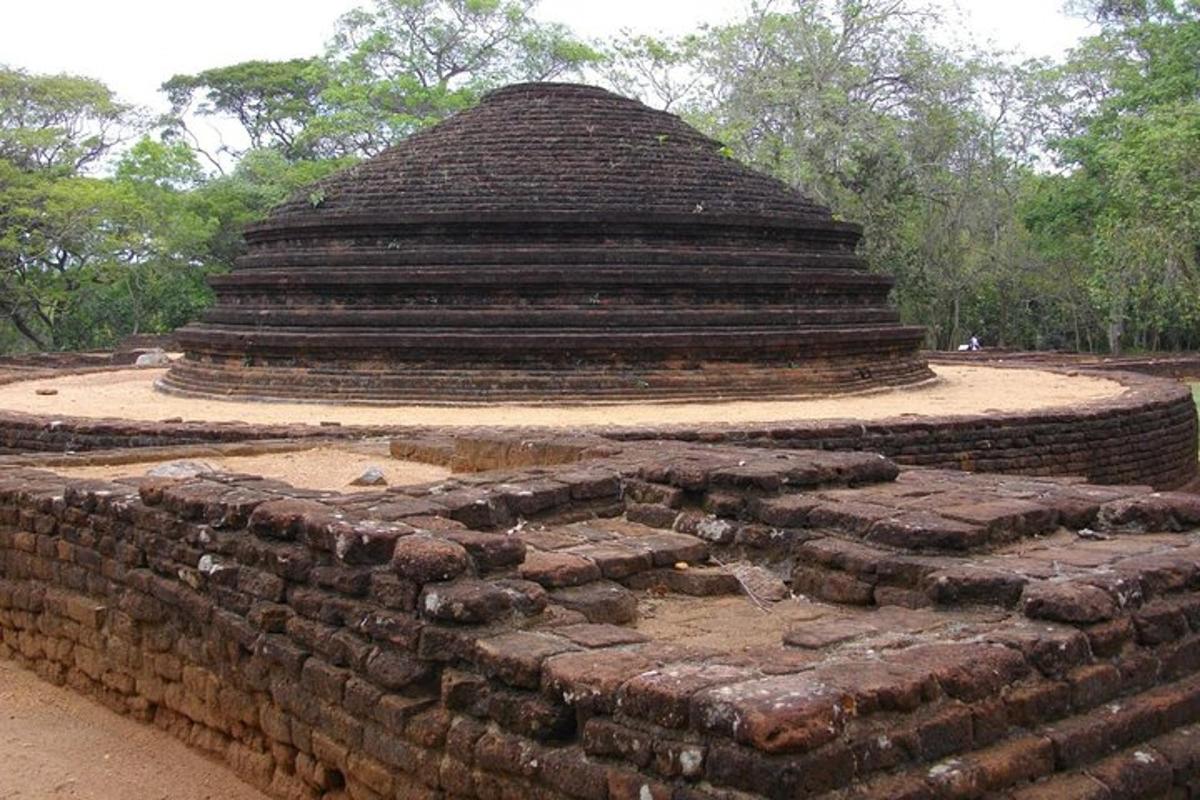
(579, 617)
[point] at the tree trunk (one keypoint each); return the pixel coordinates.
(24, 329)
(954, 337)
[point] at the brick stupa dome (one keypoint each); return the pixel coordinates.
(556, 243)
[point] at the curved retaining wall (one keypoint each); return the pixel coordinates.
(30, 433)
(1148, 435)
(1181, 366)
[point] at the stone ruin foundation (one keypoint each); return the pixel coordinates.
(981, 605)
(583, 617)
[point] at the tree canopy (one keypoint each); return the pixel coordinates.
(1045, 203)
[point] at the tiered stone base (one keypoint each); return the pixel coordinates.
(350, 382)
(492, 637)
(580, 308)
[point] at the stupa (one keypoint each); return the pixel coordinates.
(556, 243)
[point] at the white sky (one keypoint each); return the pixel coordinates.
(135, 45)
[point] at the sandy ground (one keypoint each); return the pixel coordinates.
(330, 468)
(57, 744)
(732, 623)
(735, 625)
(130, 394)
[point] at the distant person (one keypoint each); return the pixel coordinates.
(974, 343)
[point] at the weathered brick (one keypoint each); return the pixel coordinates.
(464, 601)
(789, 713)
(1071, 602)
(423, 559)
(555, 570)
(516, 658)
(590, 679)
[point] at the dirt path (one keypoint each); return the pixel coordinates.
(331, 468)
(57, 744)
(130, 394)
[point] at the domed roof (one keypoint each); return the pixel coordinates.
(556, 243)
(548, 150)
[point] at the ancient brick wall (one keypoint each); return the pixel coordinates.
(428, 643)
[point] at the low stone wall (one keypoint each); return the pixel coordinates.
(29, 433)
(473, 639)
(1180, 366)
(15, 369)
(1148, 435)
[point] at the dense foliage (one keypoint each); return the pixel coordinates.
(1039, 204)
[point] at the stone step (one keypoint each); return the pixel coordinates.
(1137, 746)
(557, 316)
(408, 383)
(578, 258)
(615, 550)
(1165, 766)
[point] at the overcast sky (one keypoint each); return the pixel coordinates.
(135, 45)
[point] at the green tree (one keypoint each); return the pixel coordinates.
(275, 102)
(854, 103)
(390, 70)
(1127, 199)
(401, 65)
(54, 217)
(62, 124)
(661, 71)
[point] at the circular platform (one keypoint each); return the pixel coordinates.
(130, 395)
(1117, 428)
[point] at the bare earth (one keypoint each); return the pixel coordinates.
(55, 743)
(734, 624)
(130, 394)
(325, 468)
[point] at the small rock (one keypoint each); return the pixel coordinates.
(760, 582)
(153, 358)
(1088, 533)
(46, 392)
(180, 469)
(372, 476)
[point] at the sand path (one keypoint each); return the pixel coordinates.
(55, 743)
(323, 468)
